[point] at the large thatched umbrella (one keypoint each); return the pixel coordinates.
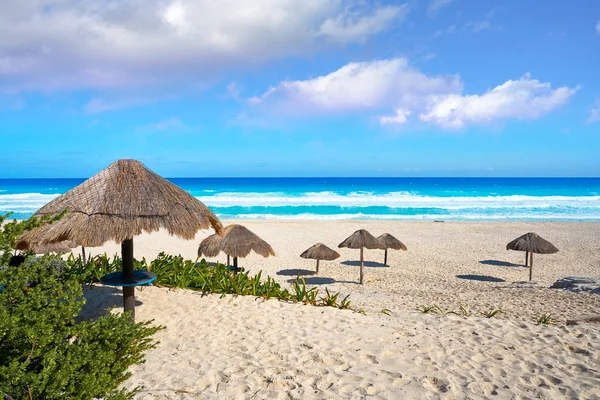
(320, 252)
(118, 203)
(531, 243)
(239, 241)
(387, 241)
(359, 240)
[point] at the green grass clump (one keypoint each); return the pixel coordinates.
(492, 313)
(546, 319)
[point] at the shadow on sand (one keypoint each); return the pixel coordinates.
(100, 299)
(366, 263)
(316, 280)
(481, 278)
(295, 272)
(498, 263)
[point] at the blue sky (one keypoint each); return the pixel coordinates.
(301, 88)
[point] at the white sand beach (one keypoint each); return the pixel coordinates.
(242, 347)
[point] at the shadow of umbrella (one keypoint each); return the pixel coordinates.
(481, 278)
(316, 280)
(99, 300)
(295, 272)
(373, 264)
(498, 263)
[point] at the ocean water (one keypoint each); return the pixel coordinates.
(555, 199)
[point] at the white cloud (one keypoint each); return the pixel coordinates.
(97, 106)
(171, 125)
(401, 117)
(357, 27)
(115, 44)
(394, 84)
(598, 28)
(594, 115)
(359, 86)
(437, 5)
(525, 98)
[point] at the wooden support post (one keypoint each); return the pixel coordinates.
(317, 266)
(530, 266)
(235, 267)
(128, 292)
(361, 265)
(385, 258)
(83, 253)
(526, 259)
(228, 260)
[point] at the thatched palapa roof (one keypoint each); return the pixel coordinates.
(533, 243)
(211, 246)
(320, 252)
(360, 238)
(239, 241)
(387, 241)
(118, 203)
(57, 247)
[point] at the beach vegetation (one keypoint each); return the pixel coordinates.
(45, 353)
(11, 231)
(492, 313)
(386, 311)
(545, 319)
(176, 272)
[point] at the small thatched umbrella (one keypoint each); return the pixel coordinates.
(531, 243)
(320, 252)
(118, 203)
(359, 240)
(239, 241)
(211, 247)
(387, 241)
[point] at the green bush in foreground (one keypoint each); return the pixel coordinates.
(45, 354)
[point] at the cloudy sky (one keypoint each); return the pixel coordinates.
(301, 87)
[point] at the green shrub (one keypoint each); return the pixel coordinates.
(46, 354)
(12, 230)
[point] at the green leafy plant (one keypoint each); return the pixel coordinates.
(11, 231)
(386, 311)
(345, 303)
(329, 299)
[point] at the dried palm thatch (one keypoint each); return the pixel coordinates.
(359, 240)
(57, 247)
(320, 252)
(239, 241)
(387, 241)
(211, 246)
(118, 203)
(121, 202)
(531, 243)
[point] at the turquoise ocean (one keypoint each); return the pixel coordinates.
(539, 199)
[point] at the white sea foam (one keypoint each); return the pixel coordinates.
(423, 217)
(396, 200)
